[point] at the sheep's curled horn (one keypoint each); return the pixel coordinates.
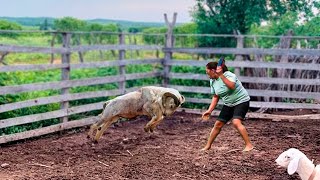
(165, 95)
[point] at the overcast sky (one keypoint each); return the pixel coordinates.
(132, 10)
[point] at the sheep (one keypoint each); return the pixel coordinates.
(155, 102)
(296, 161)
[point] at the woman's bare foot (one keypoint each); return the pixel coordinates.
(205, 149)
(248, 148)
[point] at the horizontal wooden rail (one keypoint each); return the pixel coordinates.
(248, 64)
(47, 130)
(114, 47)
(245, 51)
(73, 83)
(41, 67)
(50, 115)
(254, 92)
(62, 50)
(253, 115)
(62, 98)
(245, 79)
(256, 104)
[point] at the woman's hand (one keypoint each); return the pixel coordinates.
(206, 115)
(219, 71)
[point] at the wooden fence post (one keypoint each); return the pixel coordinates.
(169, 44)
(240, 44)
(65, 72)
(122, 84)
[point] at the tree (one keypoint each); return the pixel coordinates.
(227, 16)
(6, 25)
(69, 24)
(45, 25)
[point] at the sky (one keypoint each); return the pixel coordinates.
(132, 10)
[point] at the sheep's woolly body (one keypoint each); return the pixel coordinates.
(155, 102)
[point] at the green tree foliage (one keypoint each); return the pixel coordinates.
(278, 27)
(45, 25)
(69, 24)
(154, 39)
(6, 25)
(103, 38)
(224, 17)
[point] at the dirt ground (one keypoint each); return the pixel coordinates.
(172, 152)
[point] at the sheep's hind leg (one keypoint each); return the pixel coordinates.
(94, 127)
(103, 127)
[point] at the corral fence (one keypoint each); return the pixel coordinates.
(267, 73)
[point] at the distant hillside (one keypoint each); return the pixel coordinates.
(29, 21)
(127, 24)
(37, 21)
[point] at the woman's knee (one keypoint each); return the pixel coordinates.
(218, 124)
(236, 123)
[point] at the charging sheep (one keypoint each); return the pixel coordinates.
(155, 102)
(296, 161)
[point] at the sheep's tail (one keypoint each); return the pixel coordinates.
(104, 107)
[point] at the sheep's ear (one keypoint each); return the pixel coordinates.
(293, 165)
(183, 99)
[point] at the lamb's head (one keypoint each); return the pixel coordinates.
(290, 159)
(171, 102)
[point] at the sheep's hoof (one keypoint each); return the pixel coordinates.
(146, 129)
(95, 142)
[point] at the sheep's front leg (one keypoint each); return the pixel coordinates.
(156, 114)
(155, 124)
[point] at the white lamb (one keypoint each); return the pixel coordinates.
(296, 161)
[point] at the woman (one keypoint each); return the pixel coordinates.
(225, 85)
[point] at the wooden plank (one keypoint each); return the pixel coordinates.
(82, 48)
(244, 79)
(41, 67)
(254, 92)
(246, 51)
(57, 99)
(143, 75)
(24, 49)
(252, 115)
(58, 85)
(54, 114)
(73, 83)
(49, 115)
(249, 64)
(114, 63)
(122, 69)
(265, 80)
(47, 130)
(256, 104)
(65, 72)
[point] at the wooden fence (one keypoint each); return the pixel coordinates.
(166, 73)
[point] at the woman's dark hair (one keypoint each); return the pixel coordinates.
(213, 65)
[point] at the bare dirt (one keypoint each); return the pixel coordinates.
(172, 152)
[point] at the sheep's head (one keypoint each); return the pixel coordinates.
(171, 102)
(290, 159)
